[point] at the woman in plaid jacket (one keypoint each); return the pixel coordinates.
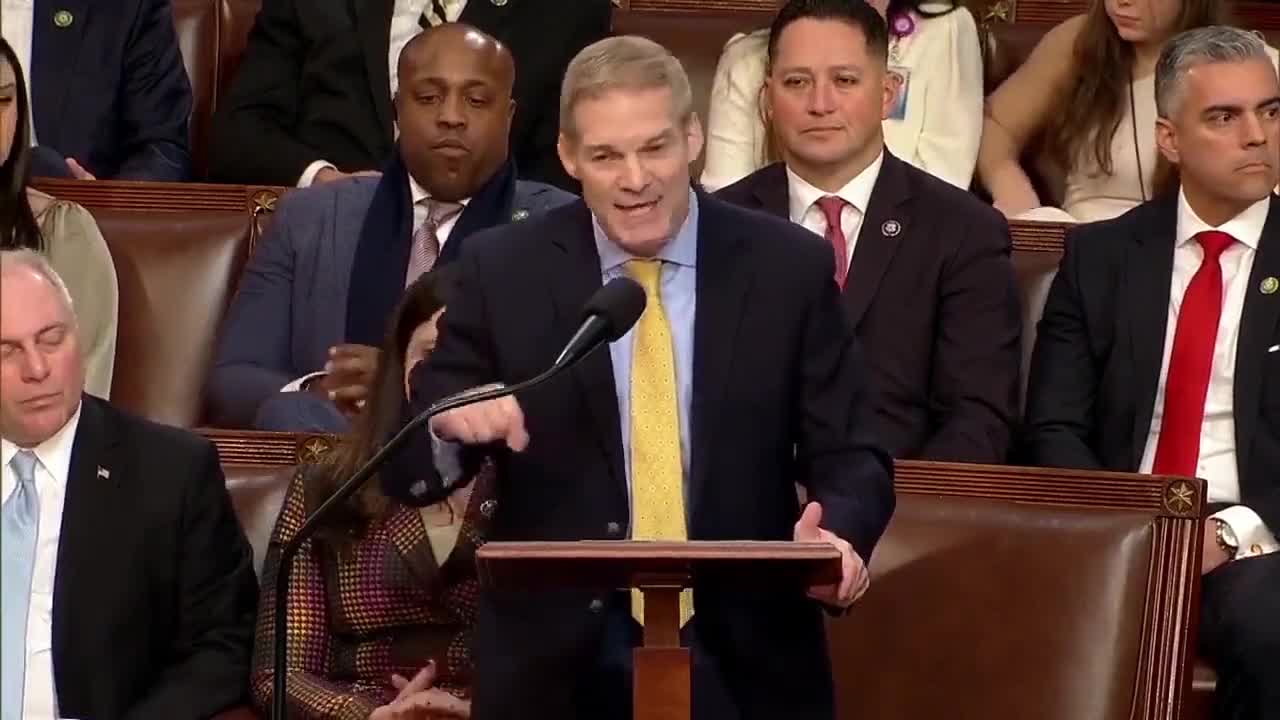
(384, 589)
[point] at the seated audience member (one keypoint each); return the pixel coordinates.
(297, 350)
(110, 96)
(128, 584)
(1157, 352)
(413, 575)
(315, 98)
(936, 119)
(63, 231)
(924, 266)
(1093, 112)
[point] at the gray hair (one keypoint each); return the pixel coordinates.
(39, 264)
(626, 62)
(1201, 46)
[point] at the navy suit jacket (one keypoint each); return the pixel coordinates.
(932, 295)
(1095, 372)
(291, 306)
(110, 90)
(779, 396)
(154, 594)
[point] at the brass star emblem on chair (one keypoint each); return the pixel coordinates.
(1180, 497)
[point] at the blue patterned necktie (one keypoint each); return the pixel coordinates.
(19, 519)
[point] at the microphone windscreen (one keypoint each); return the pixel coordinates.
(619, 304)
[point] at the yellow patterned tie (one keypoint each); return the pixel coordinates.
(657, 475)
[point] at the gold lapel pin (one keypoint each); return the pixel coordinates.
(1269, 286)
(63, 18)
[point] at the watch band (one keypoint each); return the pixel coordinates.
(1226, 539)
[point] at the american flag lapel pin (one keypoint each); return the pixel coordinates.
(104, 473)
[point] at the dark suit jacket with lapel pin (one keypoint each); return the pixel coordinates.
(1099, 349)
(109, 89)
(936, 308)
(315, 85)
(154, 594)
(779, 396)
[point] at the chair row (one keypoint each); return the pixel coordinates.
(997, 592)
(179, 250)
(212, 35)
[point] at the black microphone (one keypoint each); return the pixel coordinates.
(607, 316)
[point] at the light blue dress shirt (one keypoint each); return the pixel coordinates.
(679, 286)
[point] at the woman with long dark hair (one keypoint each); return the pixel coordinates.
(936, 123)
(62, 231)
(383, 589)
(1086, 95)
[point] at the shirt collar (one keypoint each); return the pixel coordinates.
(419, 193)
(857, 192)
(54, 454)
(1246, 227)
(682, 250)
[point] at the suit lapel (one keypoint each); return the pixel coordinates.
(1148, 273)
(373, 23)
(55, 48)
(577, 276)
(879, 237)
(87, 514)
(770, 191)
(1258, 327)
(722, 284)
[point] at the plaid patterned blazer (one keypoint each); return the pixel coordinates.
(385, 606)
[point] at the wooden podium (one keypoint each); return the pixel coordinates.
(661, 687)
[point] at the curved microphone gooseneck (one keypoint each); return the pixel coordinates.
(609, 314)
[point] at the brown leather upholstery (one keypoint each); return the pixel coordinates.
(697, 43)
(1035, 270)
(178, 251)
(257, 493)
(176, 274)
(196, 22)
(1002, 592)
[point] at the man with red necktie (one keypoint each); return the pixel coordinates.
(923, 267)
(1159, 347)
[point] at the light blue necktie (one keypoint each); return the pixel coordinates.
(20, 516)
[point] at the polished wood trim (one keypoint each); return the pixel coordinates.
(1166, 496)
(268, 449)
(163, 197)
(700, 7)
(1029, 236)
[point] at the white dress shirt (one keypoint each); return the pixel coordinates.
(420, 196)
(1217, 462)
(39, 699)
(939, 133)
(803, 199)
(16, 27)
(404, 25)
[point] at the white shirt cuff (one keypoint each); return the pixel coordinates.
(296, 385)
(1251, 534)
(448, 459)
(309, 175)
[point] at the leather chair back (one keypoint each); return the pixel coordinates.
(176, 275)
(1035, 270)
(1005, 592)
(258, 468)
(179, 250)
(196, 22)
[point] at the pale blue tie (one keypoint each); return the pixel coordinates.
(20, 515)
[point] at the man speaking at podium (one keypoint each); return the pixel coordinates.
(741, 378)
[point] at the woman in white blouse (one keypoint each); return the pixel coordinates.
(936, 126)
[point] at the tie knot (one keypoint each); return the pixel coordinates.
(439, 211)
(647, 273)
(24, 466)
(1214, 243)
(831, 206)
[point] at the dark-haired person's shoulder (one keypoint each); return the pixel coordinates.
(1102, 240)
(531, 234)
(138, 432)
(775, 242)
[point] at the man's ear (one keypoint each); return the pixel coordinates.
(1167, 141)
(564, 148)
